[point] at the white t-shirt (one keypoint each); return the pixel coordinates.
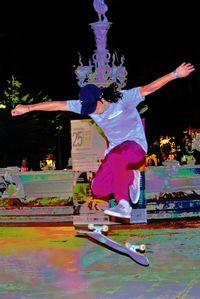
(120, 121)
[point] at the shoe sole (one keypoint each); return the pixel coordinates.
(116, 214)
(136, 199)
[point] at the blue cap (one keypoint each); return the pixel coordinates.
(89, 95)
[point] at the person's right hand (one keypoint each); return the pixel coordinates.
(19, 110)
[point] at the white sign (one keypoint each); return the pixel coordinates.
(88, 145)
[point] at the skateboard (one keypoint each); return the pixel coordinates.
(135, 252)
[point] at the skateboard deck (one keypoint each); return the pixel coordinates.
(135, 252)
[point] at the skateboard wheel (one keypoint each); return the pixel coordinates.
(104, 228)
(139, 248)
(90, 226)
(142, 247)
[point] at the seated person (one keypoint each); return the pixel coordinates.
(24, 165)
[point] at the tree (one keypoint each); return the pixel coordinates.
(31, 135)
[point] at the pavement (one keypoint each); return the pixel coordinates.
(53, 262)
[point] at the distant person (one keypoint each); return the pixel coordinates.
(150, 162)
(24, 165)
(45, 166)
(115, 111)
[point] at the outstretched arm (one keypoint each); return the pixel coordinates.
(43, 106)
(181, 71)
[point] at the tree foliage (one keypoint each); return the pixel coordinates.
(31, 135)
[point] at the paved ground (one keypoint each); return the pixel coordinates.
(52, 262)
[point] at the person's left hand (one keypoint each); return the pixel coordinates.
(185, 69)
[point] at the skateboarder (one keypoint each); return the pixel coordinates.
(115, 111)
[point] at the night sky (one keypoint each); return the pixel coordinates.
(40, 46)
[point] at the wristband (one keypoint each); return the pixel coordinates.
(175, 74)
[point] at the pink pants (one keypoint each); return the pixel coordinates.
(115, 174)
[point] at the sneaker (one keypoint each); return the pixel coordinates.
(122, 210)
(134, 189)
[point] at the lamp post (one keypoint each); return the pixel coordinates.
(101, 69)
